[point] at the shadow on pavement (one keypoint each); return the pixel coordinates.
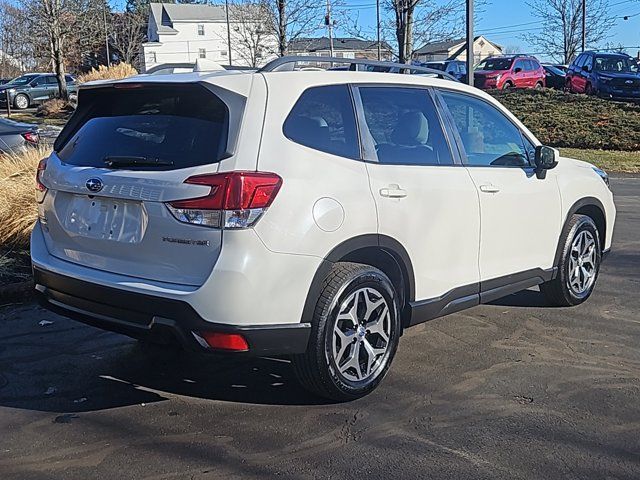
(70, 368)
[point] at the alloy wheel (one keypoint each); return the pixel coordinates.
(361, 335)
(582, 263)
(22, 102)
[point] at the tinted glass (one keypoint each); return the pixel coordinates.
(323, 119)
(520, 64)
(39, 81)
(183, 125)
(615, 64)
(579, 61)
(554, 70)
(23, 80)
(495, 64)
(588, 61)
(534, 65)
(51, 80)
(489, 138)
(69, 79)
(436, 65)
(405, 126)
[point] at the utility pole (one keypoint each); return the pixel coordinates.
(378, 27)
(584, 24)
(470, 42)
(226, 7)
(329, 23)
(106, 35)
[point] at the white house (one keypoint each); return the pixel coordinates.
(457, 50)
(184, 33)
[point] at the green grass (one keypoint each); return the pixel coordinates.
(568, 120)
(610, 161)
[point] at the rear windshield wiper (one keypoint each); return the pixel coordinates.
(132, 161)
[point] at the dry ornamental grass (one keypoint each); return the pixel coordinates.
(18, 211)
(115, 72)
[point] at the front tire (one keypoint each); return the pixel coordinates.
(21, 102)
(354, 335)
(507, 85)
(579, 264)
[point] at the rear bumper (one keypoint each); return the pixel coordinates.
(156, 318)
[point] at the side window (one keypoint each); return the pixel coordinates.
(527, 65)
(588, 61)
(534, 65)
(69, 79)
(323, 119)
(51, 80)
(405, 126)
(579, 61)
(38, 82)
(488, 136)
(519, 64)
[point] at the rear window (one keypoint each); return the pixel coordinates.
(177, 126)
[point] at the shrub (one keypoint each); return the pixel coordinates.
(18, 210)
(575, 121)
(115, 72)
(54, 108)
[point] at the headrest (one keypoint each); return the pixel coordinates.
(412, 129)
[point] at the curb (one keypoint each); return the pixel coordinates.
(17, 291)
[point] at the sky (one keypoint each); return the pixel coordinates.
(502, 21)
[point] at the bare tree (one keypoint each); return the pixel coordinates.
(252, 35)
(16, 48)
(417, 22)
(561, 33)
(292, 19)
(128, 31)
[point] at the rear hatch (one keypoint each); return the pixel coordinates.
(124, 154)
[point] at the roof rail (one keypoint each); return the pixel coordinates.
(287, 64)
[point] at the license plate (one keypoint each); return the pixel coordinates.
(104, 218)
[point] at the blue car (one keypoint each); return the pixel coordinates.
(608, 75)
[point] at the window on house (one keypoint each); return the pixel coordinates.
(200, 29)
(152, 57)
(202, 53)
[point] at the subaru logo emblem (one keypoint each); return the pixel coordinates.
(629, 82)
(94, 185)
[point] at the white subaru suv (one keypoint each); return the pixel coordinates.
(307, 214)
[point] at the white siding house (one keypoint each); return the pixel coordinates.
(457, 50)
(184, 33)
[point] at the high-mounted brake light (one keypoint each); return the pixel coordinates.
(41, 189)
(235, 200)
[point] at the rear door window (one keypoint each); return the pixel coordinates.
(404, 126)
(176, 126)
(323, 119)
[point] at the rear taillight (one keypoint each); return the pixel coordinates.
(236, 199)
(31, 137)
(41, 189)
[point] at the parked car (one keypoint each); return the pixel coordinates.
(314, 215)
(455, 68)
(33, 89)
(509, 71)
(15, 136)
(554, 77)
(608, 75)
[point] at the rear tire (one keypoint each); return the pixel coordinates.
(354, 335)
(538, 86)
(507, 86)
(579, 264)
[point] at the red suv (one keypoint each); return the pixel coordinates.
(516, 71)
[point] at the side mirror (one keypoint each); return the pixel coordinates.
(517, 70)
(546, 158)
(585, 68)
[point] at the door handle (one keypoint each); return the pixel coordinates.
(394, 191)
(490, 188)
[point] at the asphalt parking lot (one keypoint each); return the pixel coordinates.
(512, 390)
